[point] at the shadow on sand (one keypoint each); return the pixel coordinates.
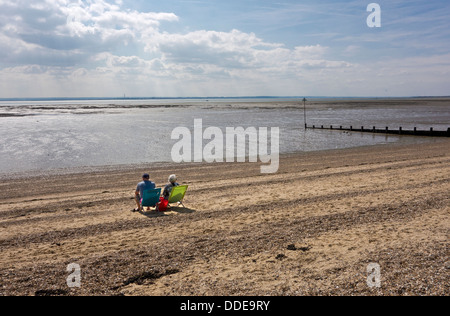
(154, 214)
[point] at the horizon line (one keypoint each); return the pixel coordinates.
(213, 98)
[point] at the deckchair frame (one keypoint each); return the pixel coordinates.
(176, 197)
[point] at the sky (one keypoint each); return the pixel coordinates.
(215, 48)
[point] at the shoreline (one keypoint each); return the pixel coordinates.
(171, 165)
(310, 229)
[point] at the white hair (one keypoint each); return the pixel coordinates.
(172, 178)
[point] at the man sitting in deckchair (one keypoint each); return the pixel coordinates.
(146, 184)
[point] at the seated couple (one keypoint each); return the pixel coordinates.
(146, 184)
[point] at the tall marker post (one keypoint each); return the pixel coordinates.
(304, 111)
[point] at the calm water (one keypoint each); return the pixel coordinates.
(47, 135)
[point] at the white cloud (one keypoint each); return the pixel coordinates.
(110, 21)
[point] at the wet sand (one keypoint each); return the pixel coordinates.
(311, 229)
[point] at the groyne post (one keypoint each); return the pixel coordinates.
(432, 132)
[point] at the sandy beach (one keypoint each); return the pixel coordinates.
(311, 229)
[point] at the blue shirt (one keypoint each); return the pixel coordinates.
(143, 186)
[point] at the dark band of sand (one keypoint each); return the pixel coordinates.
(312, 228)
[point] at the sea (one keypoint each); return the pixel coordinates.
(40, 135)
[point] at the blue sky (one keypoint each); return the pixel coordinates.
(176, 48)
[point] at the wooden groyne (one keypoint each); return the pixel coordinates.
(400, 131)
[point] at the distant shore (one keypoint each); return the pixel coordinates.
(311, 229)
(219, 102)
(218, 98)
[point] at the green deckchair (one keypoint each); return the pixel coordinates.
(177, 194)
(151, 198)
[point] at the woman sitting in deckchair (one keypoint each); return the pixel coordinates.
(164, 201)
